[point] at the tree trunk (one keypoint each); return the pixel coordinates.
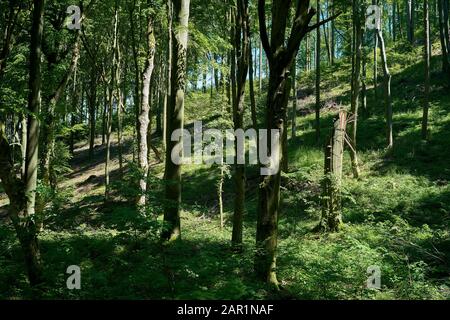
(318, 53)
(333, 37)
(356, 85)
(144, 120)
(260, 67)
(410, 6)
(22, 193)
(175, 119)
(294, 101)
(242, 47)
(281, 55)
(92, 104)
(252, 90)
(331, 185)
(426, 103)
(387, 92)
(375, 62)
(111, 89)
(444, 48)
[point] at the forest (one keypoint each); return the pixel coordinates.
(224, 150)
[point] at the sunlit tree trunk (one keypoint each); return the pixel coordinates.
(144, 121)
(175, 119)
(387, 92)
(22, 193)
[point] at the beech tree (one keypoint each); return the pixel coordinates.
(22, 192)
(280, 52)
(175, 118)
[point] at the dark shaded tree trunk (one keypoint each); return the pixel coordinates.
(444, 42)
(281, 55)
(242, 47)
(410, 17)
(252, 91)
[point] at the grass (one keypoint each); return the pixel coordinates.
(396, 216)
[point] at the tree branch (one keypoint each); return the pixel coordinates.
(263, 28)
(311, 28)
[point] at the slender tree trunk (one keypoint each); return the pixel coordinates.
(111, 88)
(446, 23)
(318, 54)
(426, 103)
(375, 62)
(252, 90)
(22, 194)
(410, 7)
(363, 80)
(260, 67)
(144, 120)
(175, 117)
(92, 104)
(387, 92)
(444, 48)
(356, 85)
(242, 45)
(394, 21)
(294, 101)
(333, 36)
(326, 40)
(220, 195)
(308, 54)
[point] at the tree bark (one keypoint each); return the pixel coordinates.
(22, 193)
(444, 47)
(331, 186)
(294, 101)
(242, 48)
(318, 54)
(144, 121)
(175, 119)
(387, 92)
(281, 55)
(356, 85)
(426, 103)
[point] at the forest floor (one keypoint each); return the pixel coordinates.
(396, 216)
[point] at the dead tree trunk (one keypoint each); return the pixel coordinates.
(331, 184)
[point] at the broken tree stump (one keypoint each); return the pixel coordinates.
(331, 184)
